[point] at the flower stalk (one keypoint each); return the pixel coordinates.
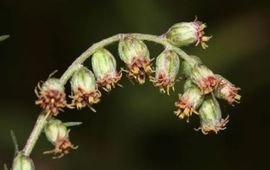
(85, 88)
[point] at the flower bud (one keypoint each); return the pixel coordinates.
(51, 96)
(204, 78)
(84, 88)
(136, 56)
(22, 162)
(189, 101)
(58, 134)
(186, 33)
(167, 67)
(104, 67)
(227, 91)
(210, 117)
(187, 67)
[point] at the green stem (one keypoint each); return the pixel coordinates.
(41, 121)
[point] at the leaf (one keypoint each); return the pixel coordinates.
(4, 37)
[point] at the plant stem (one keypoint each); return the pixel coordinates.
(40, 123)
(42, 119)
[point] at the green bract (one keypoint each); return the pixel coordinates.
(83, 79)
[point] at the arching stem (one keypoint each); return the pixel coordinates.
(42, 119)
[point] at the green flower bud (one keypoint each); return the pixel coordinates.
(22, 162)
(204, 78)
(210, 117)
(227, 91)
(187, 67)
(104, 67)
(189, 101)
(167, 67)
(84, 88)
(135, 54)
(58, 134)
(51, 96)
(55, 130)
(186, 33)
(83, 79)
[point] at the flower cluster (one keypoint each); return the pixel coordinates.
(201, 87)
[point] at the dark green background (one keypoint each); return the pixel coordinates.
(135, 128)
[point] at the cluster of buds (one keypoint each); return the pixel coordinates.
(186, 33)
(135, 54)
(58, 134)
(201, 88)
(200, 92)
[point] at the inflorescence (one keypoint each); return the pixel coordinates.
(201, 89)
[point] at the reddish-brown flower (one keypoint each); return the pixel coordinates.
(51, 96)
(84, 89)
(204, 78)
(136, 56)
(227, 91)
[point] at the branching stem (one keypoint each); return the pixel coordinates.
(42, 119)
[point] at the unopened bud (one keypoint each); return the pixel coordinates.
(84, 88)
(104, 67)
(22, 162)
(136, 56)
(211, 117)
(227, 91)
(186, 33)
(167, 67)
(51, 96)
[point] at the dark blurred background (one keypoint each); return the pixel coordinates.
(135, 127)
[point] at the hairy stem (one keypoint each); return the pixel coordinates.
(42, 119)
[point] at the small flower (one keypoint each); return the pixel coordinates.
(189, 101)
(22, 162)
(227, 91)
(136, 56)
(58, 134)
(51, 96)
(210, 117)
(186, 33)
(104, 67)
(167, 67)
(84, 88)
(187, 67)
(204, 78)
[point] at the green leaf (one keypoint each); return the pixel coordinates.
(4, 37)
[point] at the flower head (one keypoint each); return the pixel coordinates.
(104, 67)
(204, 78)
(58, 134)
(22, 162)
(167, 67)
(227, 91)
(189, 101)
(136, 56)
(186, 33)
(51, 96)
(84, 88)
(210, 117)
